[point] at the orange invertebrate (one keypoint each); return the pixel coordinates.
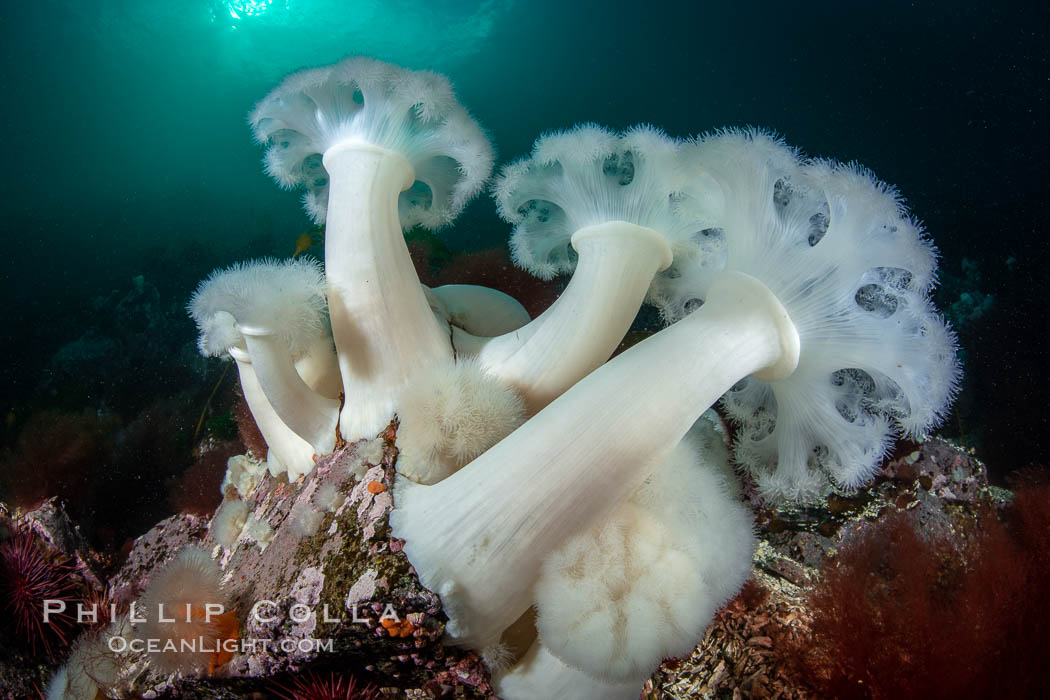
(395, 628)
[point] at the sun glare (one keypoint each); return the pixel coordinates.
(241, 10)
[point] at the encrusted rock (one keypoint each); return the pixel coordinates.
(53, 525)
(325, 588)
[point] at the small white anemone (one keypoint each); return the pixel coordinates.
(280, 315)
(90, 671)
(450, 416)
(229, 522)
(243, 474)
(259, 531)
(370, 452)
(306, 519)
(180, 603)
(328, 498)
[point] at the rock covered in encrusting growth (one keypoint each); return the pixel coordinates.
(316, 561)
(50, 522)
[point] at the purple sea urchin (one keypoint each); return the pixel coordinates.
(312, 686)
(29, 576)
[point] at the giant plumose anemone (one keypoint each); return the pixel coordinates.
(794, 291)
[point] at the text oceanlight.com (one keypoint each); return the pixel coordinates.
(119, 645)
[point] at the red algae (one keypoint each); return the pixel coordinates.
(901, 615)
(248, 431)
(55, 455)
(197, 491)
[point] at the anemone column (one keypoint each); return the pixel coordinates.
(582, 328)
(383, 327)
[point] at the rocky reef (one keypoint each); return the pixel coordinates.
(318, 583)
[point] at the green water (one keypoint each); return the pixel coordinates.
(126, 151)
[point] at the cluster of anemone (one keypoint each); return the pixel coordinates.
(535, 471)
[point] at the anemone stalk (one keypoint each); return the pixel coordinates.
(617, 262)
(383, 327)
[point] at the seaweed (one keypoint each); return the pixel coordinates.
(904, 615)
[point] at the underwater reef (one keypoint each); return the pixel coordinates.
(436, 478)
(841, 596)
